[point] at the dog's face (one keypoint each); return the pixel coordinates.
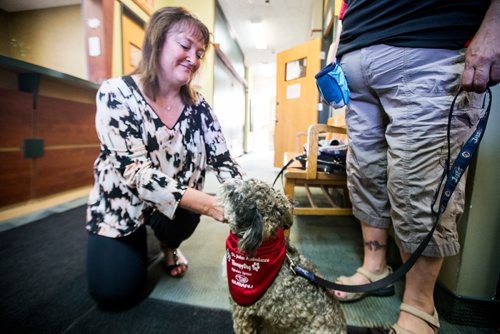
(254, 210)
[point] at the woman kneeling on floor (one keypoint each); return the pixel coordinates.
(157, 137)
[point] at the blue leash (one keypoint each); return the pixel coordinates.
(451, 175)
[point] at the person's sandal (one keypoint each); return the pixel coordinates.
(431, 320)
(355, 296)
(177, 263)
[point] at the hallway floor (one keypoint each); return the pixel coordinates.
(332, 243)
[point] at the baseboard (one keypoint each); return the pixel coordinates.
(466, 311)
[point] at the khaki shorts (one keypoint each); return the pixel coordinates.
(397, 119)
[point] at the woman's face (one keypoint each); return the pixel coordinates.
(180, 56)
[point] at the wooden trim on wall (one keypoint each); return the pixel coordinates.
(328, 16)
(132, 37)
(146, 5)
(98, 26)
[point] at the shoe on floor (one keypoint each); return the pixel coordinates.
(354, 296)
(431, 320)
(179, 261)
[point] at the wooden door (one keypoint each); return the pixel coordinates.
(297, 97)
(132, 37)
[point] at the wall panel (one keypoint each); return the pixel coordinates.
(62, 122)
(16, 118)
(15, 178)
(64, 169)
(62, 115)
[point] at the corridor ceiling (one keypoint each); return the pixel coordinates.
(286, 23)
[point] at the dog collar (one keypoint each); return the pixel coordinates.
(249, 278)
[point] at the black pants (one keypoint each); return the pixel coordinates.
(117, 267)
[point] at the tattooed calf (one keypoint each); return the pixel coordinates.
(374, 245)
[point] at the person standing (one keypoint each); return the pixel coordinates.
(404, 62)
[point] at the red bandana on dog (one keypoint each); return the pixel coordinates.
(249, 278)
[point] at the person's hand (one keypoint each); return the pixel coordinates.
(203, 204)
(482, 58)
(215, 210)
(217, 213)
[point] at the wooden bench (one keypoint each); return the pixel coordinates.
(310, 178)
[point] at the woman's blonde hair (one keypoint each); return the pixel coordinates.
(162, 22)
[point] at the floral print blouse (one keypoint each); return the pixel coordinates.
(143, 165)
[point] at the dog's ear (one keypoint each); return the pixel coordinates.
(251, 230)
(245, 218)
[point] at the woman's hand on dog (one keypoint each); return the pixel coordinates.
(202, 203)
(217, 213)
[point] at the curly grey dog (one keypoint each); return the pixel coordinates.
(257, 215)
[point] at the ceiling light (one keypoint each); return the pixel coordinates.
(259, 36)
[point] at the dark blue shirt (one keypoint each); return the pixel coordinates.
(442, 24)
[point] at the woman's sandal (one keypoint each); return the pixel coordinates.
(431, 320)
(177, 263)
(354, 296)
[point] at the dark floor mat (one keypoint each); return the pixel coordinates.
(155, 316)
(42, 281)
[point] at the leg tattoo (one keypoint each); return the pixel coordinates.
(374, 245)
